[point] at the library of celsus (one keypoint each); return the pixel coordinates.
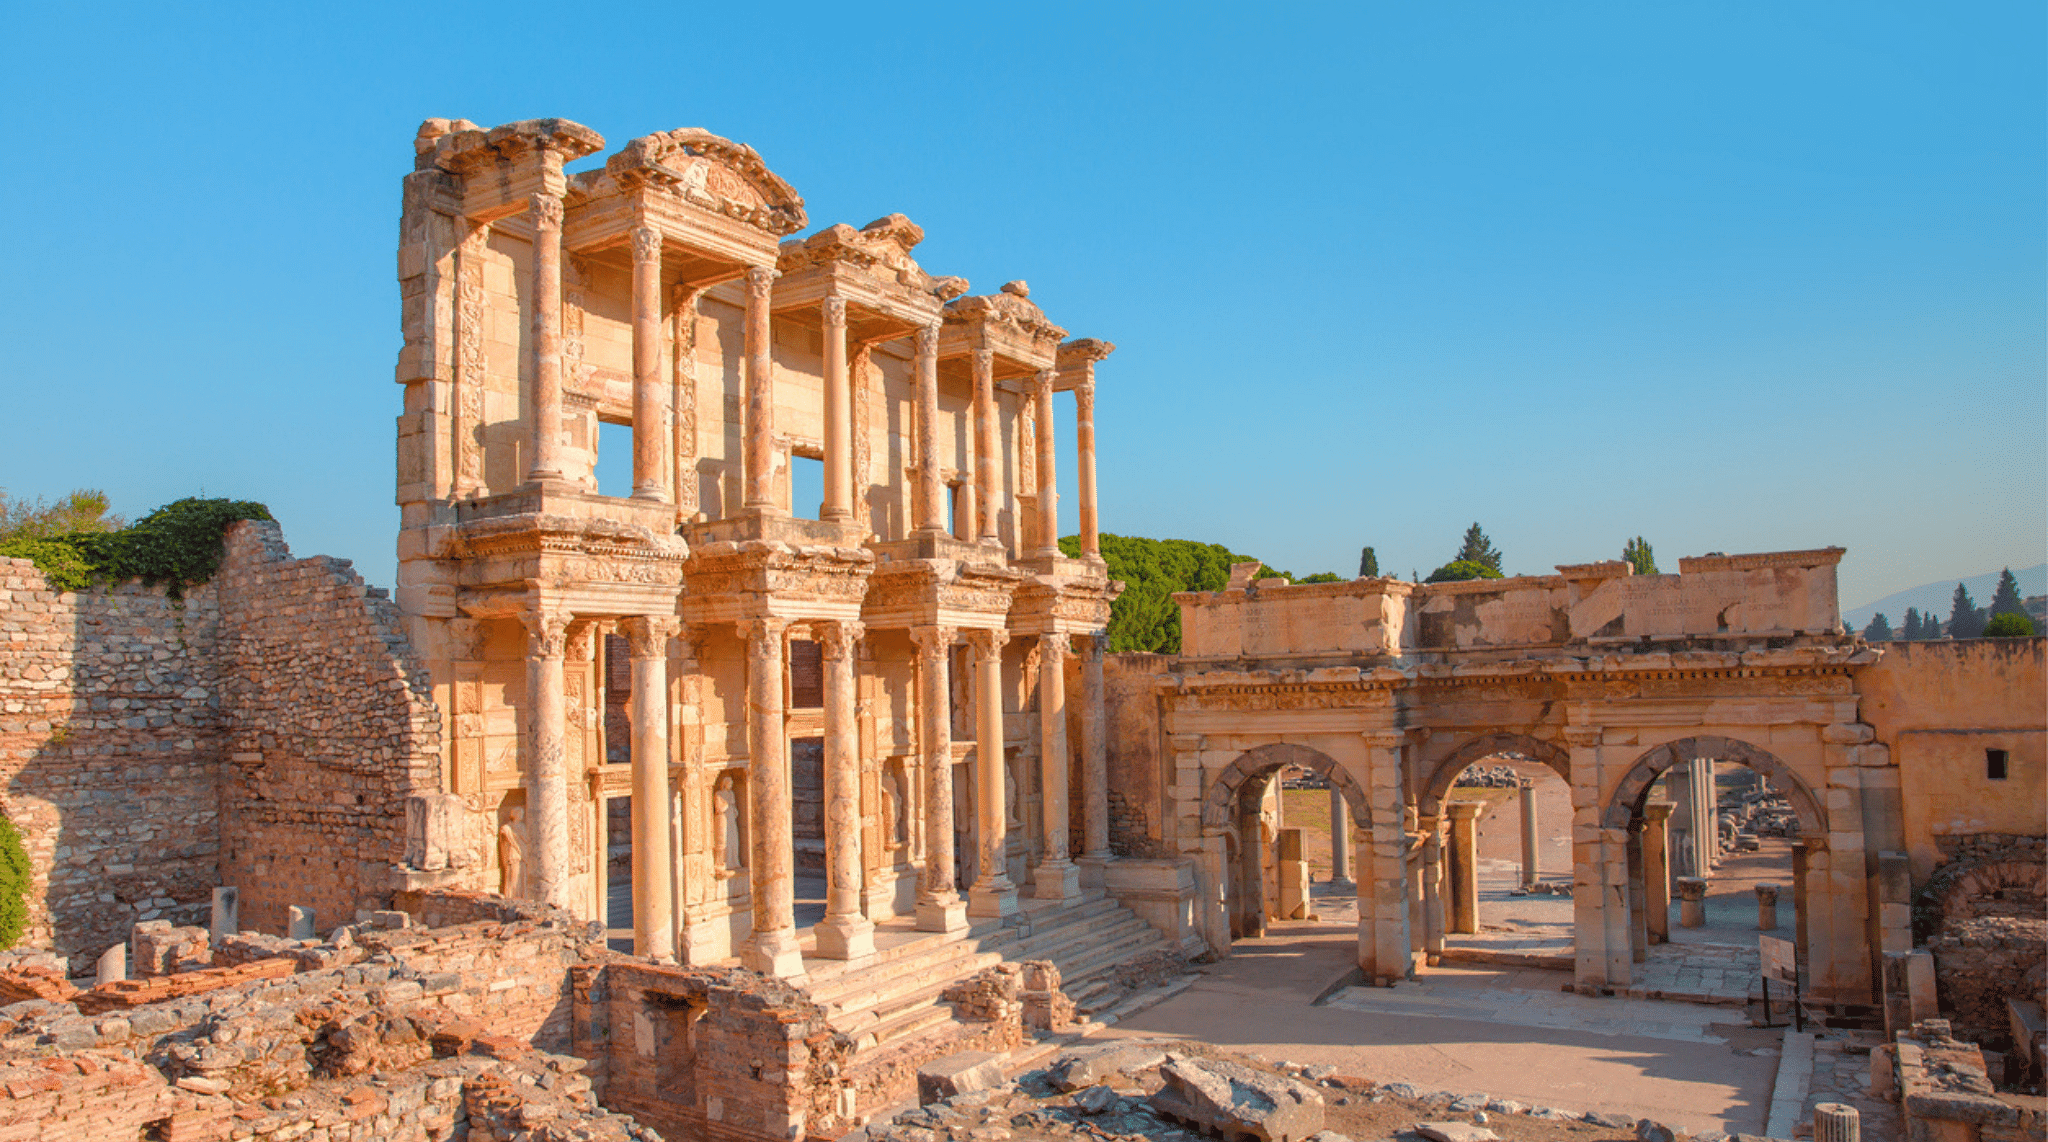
(658, 797)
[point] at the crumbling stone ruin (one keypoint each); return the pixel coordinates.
(684, 808)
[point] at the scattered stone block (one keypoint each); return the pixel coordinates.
(1236, 1101)
(958, 1074)
(1075, 1071)
(300, 923)
(1454, 1132)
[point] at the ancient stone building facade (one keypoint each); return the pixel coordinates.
(906, 641)
(1909, 754)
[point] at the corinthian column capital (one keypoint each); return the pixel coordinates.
(647, 635)
(986, 643)
(545, 212)
(646, 244)
(547, 633)
(839, 640)
(933, 642)
(760, 281)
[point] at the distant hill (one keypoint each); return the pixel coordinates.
(1937, 596)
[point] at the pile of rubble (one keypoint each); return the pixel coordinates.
(1491, 777)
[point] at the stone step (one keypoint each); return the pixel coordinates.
(822, 973)
(906, 1024)
(934, 971)
(1099, 961)
(1064, 945)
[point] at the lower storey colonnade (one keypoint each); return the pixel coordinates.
(757, 751)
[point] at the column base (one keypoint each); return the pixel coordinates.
(1095, 871)
(945, 915)
(844, 937)
(996, 898)
(1057, 880)
(773, 953)
(1342, 882)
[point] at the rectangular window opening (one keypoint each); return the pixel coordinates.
(1995, 764)
(807, 487)
(614, 461)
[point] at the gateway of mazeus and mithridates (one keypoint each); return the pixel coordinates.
(878, 791)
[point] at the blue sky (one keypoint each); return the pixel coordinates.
(1735, 277)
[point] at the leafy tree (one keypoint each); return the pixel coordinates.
(1637, 553)
(1321, 577)
(1879, 630)
(2005, 598)
(1145, 617)
(1965, 619)
(178, 544)
(1478, 549)
(1911, 631)
(1368, 564)
(14, 884)
(83, 512)
(1458, 570)
(2009, 626)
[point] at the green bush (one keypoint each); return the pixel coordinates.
(1459, 570)
(2009, 626)
(14, 884)
(178, 544)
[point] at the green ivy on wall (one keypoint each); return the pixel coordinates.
(178, 544)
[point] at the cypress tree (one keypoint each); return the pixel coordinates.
(1477, 548)
(2005, 598)
(1911, 633)
(1965, 618)
(1368, 564)
(1637, 553)
(1879, 630)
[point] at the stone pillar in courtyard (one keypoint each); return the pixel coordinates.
(1464, 863)
(654, 928)
(1095, 754)
(1525, 796)
(544, 377)
(939, 908)
(763, 490)
(651, 477)
(1766, 907)
(985, 454)
(547, 779)
(930, 515)
(844, 933)
(1692, 902)
(1657, 871)
(772, 947)
(1056, 877)
(1048, 471)
(1384, 954)
(1431, 890)
(993, 894)
(837, 380)
(1340, 832)
(1638, 895)
(1602, 950)
(1706, 811)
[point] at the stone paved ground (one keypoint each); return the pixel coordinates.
(1696, 973)
(1841, 1073)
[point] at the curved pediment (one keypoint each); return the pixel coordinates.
(714, 173)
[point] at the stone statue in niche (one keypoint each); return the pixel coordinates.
(512, 855)
(725, 827)
(1013, 803)
(895, 823)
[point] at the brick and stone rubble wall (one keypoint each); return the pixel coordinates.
(1138, 784)
(1981, 963)
(330, 724)
(110, 753)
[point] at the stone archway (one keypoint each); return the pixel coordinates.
(1227, 811)
(1626, 803)
(1445, 775)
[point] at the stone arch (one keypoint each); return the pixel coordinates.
(1966, 890)
(1219, 806)
(1492, 745)
(1635, 784)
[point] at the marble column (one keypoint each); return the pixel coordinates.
(1432, 889)
(930, 516)
(1638, 894)
(1048, 471)
(547, 779)
(1094, 752)
(939, 908)
(1056, 877)
(654, 928)
(1084, 443)
(844, 933)
(1706, 812)
(763, 491)
(651, 476)
(1464, 862)
(772, 948)
(1340, 832)
(985, 445)
(544, 395)
(993, 893)
(838, 416)
(1531, 858)
(1657, 870)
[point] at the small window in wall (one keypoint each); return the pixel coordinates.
(1995, 764)
(806, 675)
(806, 487)
(614, 459)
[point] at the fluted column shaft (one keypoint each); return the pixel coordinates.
(838, 415)
(994, 894)
(844, 933)
(1094, 752)
(545, 377)
(985, 444)
(547, 782)
(772, 948)
(1340, 837)
(762, 494)
(654, 929)
(1057, 877)
(938, 901)
(1048, 471)
(930, 516)
(651, 478)
(1084, 444)
(1464, 817)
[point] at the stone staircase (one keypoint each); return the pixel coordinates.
(894, 997)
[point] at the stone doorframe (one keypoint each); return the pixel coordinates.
(1431, 918)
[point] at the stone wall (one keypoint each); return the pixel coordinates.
(1137, 786)
(1981, 963)
(110, 753)
(330, 724)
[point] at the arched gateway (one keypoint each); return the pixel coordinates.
(1232, 809)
